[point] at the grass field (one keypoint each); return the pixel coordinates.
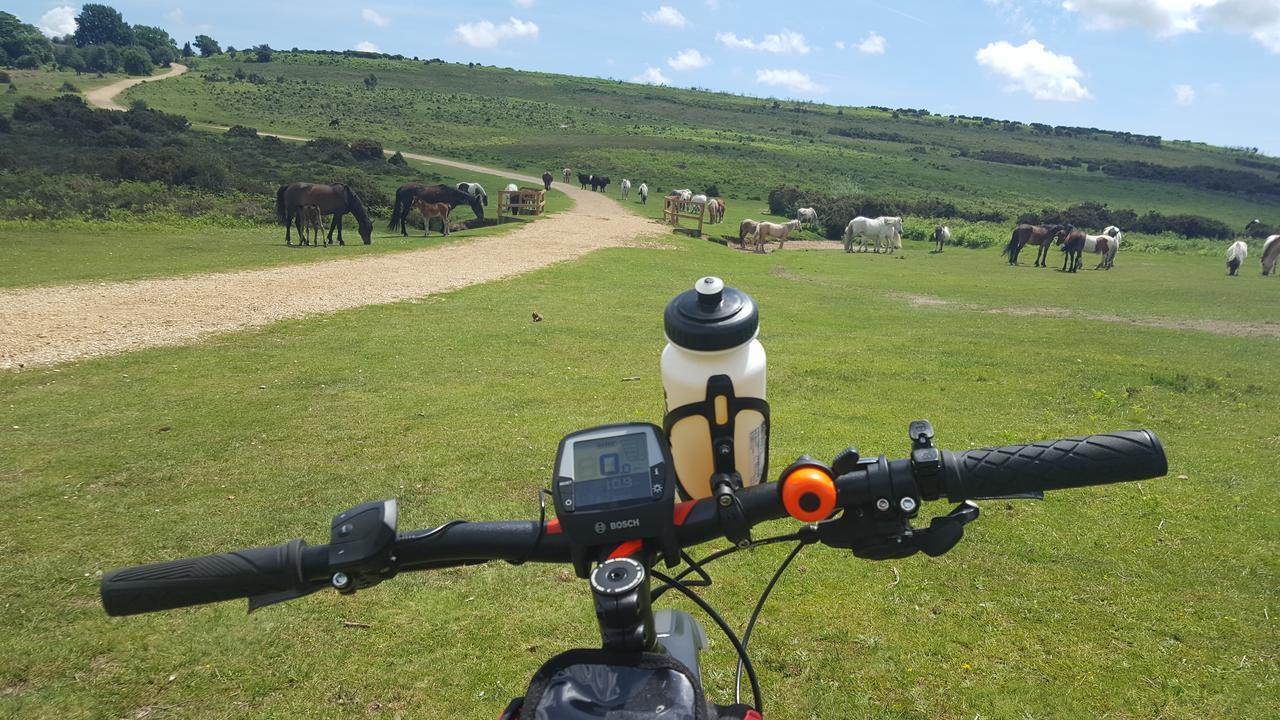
(680, 138)
(37, 253)
(1148, 600)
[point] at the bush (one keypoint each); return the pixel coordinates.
(5, 125)
(366, 149)
(712, 190)
(364, 185)
(68, 88)
(136, 61)
(398, 160)
(4, 78)
(240, 131)
(27, 62)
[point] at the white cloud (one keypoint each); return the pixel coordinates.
(781, 43)
(652, 76)
(1163, 17)
(872, 44)
(484, 34)
(365, 46)
(58, 21)
(839, 44)
(373, 16)
(667, 15)
(175, 16)
(793, 80)
(523, 3)
(1184, 94)
(1012, 13)
(689, 59)
(1032, 68)
(1259, 18)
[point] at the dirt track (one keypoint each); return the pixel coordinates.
(45, 325)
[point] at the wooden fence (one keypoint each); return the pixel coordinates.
(673, 209)
(522, 202)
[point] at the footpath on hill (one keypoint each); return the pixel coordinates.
(45, 325)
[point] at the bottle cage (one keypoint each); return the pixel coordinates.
(720, 389)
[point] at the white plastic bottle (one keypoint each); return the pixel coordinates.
(711, 333)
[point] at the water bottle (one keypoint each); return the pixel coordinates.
(713, 374)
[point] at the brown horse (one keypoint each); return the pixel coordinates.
(433, 210)
(1041, 236)
(336, 200)
(1072, 248)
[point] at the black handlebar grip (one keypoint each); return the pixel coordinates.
(1014, 470)
(194, 581)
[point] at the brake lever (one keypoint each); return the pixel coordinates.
(945, 530)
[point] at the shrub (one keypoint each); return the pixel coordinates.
(4, 78)
(712, 190)
(5, 125)
(398, 160)
(364, 185)
(136, 61)
(27, 62)
(68, 88)
(13, 89)
(240, 131)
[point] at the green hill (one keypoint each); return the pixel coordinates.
(745, 146)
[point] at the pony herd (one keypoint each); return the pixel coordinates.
(1073, 241)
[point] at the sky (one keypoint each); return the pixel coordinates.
(1205, 70)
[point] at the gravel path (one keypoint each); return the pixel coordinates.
(45, 325)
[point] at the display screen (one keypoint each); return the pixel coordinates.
(611, 470)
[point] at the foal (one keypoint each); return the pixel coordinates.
(432, 210)
(309, 219)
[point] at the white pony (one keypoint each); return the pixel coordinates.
(626, 188)
(1236, 254)
(644, 193)
(941, 236)
(807, 216)
(767, 230)
(474, 190)
(886, 229)
(1270, 253)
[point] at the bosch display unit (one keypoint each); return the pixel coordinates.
(612, 484)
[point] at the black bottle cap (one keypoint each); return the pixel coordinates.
(711, 317)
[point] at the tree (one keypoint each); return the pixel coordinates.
(101, 25)
(18, 39)
(208, 46)
(70, 57)
(101, 58)
(160, 46)
(136, 61)
(186, 50)
(262, 53)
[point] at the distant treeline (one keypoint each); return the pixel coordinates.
(60, 158)
(1201, 177)
(834, 212)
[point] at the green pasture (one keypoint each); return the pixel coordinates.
(49, 83)
(681, 138)
(44, 253)
(1146, 600)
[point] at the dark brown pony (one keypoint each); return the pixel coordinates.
(547, 177)
(1072, 249)
(336, 200)
(410, 193)
(1041, 236)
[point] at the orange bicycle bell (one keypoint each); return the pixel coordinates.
(808, 490)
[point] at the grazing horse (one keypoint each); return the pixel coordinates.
(1270, 253)
(584, 179)
(767, 230)
(1042, 236)
(546, 180)
(644, 193)
(567, 173)
(1073, 242)
(599, 182)
(309, 219)
(745, 228)
(626, 188)
(888, 229)
(1236, 254)
(941, 236)
(408, 193)
(475, 191)
(336, 200)
(715, 209)
(433, 210)
(807, 216)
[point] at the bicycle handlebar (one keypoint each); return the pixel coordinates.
(281, 572)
